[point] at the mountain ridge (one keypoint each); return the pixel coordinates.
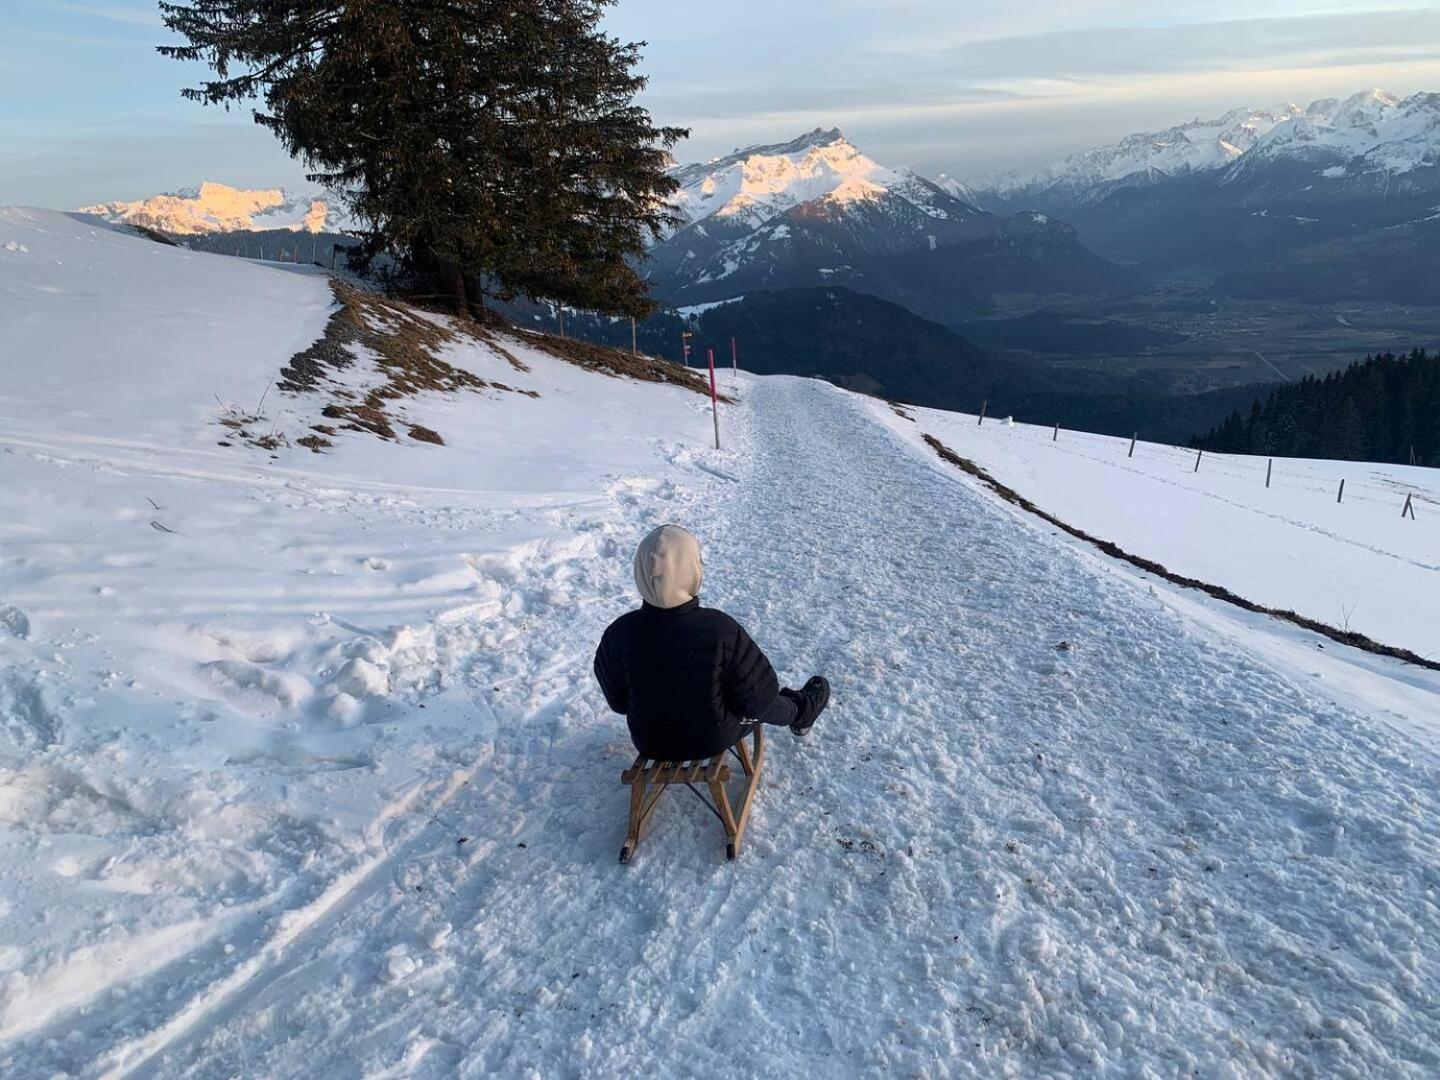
(211, 207)
(817, 211)
(1368, 133)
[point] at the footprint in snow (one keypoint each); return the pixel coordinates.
(14, 622)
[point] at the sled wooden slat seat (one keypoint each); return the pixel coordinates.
(714, 773)
(686, 771)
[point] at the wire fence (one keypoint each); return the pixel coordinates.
(1402, 491)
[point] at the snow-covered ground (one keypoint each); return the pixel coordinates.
(1187, 841)
(222, 674)
(1354, 564)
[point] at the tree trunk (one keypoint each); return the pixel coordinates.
(452, 284)
(445, 272)
(475, 298)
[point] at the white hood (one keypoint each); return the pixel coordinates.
(668, 569)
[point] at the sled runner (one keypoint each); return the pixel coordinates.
(662, 775)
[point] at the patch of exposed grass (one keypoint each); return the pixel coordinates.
(377, 352)
(620, 364)
(404, 347)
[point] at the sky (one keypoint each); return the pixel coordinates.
(89, 112)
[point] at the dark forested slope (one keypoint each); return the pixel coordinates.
(1384, 408)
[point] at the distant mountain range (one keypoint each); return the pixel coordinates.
(1339, 199)
(1336, 200)
(1126, 252)
(1144, 158)
(1372, 142)
(218, 208)
(817, 211)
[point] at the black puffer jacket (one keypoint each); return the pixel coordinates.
(686, 678)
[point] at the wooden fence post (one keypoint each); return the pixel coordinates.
(983, 406)
(1198, 455)
(1056, 436)
(714, 397)
(1133, 440)
(1268, 470)
(1409, 508)
(1341, 496)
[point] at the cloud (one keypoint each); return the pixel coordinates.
(705, 103)
(1236, 44)
(1021, 99)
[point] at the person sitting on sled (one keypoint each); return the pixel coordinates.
(688, 679)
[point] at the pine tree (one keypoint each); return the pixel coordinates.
(1375, 410)
(486, 145)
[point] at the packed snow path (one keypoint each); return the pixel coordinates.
(1146, 854)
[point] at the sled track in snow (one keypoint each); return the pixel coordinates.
(272, 961)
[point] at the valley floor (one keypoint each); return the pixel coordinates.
(1164, 848)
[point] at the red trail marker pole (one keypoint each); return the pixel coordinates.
(714, 397)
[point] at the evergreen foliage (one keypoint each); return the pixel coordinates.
(1379, 409)
(488, 145)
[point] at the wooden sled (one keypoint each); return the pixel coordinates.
(714, 774)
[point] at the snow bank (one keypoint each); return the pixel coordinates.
(227, 672)
(1353, 564)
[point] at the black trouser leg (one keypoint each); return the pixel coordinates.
(781, 712)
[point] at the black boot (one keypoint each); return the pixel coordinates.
(812, 699)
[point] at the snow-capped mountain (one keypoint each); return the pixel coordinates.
(1196, 146)
(753, 185)
(1335, 199)
(1328, 143)
(818, 211)
(219, 208)
(1371, 134)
